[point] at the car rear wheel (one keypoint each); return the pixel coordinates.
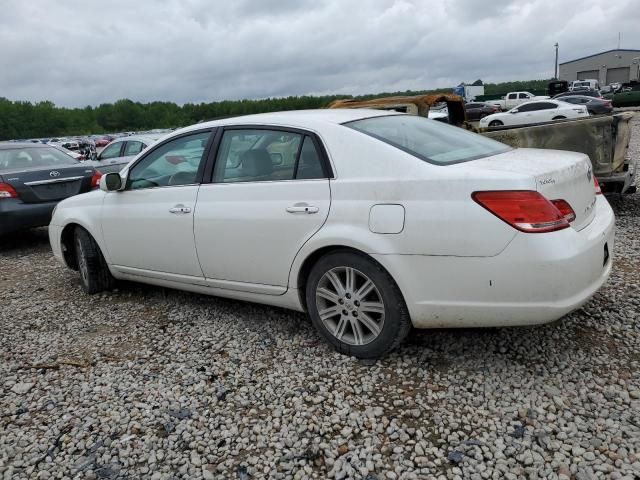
(94, 272)
(495, 123)
(356, 306)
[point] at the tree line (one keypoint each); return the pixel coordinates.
(22, 119)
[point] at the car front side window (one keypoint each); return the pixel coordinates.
(173, 163)
(111, 151)
(133, 148)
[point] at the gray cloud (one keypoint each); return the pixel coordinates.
(75, 53)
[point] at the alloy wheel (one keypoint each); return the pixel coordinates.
(350, 305)
(82, 262)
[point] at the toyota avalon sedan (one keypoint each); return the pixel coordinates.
(33, 179)
(370, 221)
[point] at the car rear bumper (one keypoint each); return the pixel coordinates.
(538, 278)
(15, 215)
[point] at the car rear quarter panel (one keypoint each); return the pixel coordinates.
(440, 216)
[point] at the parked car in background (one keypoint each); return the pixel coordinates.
(33, 179)
(555, 87)
(603, 138)
(102, 141)
(584, 93)
(586, 84)
(121, 151)
(535, 112)
(77, 156)
(513, 99)
(478, 110)
(246, 215)
(595, 106)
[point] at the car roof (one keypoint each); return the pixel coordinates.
(580, 96)
(540, 100)
(309, 119)
(152, 137)
(12, 145)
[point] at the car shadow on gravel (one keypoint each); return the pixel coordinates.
(25, 242)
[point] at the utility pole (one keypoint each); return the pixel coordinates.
(555, 76)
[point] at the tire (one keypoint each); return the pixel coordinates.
(94, 273)
(363, 331)
(559, 117)
(495, 123)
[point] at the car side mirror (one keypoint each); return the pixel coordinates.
(111, 182)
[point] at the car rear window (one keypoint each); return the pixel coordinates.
(431, 141)
(33, 157)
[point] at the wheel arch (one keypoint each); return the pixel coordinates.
(68, 245)
(312, 258)
(67, 242)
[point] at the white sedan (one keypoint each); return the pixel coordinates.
(538, 111)
(370, 221)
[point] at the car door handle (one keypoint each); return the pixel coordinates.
(303, 208)
(179, 209)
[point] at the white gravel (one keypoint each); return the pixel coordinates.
(151, 383)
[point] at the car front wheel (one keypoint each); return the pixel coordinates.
(356, 306)
(94, 272)
(495, 123)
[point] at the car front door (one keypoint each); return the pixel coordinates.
(148, 226)
(269, 195)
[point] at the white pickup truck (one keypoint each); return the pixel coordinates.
(513, 99)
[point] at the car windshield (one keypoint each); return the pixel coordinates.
(433, 142)
(28, 157)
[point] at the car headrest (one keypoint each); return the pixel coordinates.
(256, 163)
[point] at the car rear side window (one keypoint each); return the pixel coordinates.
(264, 155)
(433, 142)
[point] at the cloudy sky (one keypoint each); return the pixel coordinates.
(79, 52)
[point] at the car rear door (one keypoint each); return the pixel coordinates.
(269, 195)
(148, 227)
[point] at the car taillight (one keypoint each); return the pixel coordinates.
(95, 180)
(7, 191)
(525, 210)
(565, 210)
(596, 184)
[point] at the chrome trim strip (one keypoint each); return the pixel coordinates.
(54, 180)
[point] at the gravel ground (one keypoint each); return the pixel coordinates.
(151, 383)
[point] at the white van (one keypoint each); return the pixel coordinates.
(586, 84)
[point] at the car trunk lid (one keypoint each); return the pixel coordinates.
(47, 185)
(558, 175)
